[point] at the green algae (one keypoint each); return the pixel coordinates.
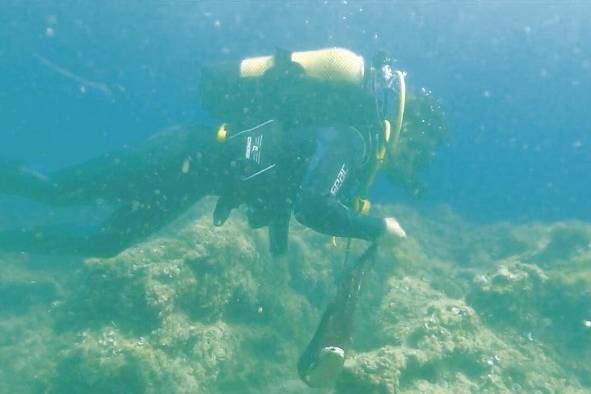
(455, 308)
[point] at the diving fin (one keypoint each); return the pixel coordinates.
(326, 368)
(322, 362)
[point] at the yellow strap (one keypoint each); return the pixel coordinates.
(364, 206)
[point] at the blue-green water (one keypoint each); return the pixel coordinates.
(513, 79)
(490, 293)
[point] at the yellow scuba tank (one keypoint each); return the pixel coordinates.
(331, 64)
(331, 79)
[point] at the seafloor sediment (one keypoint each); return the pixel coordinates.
(455, 308)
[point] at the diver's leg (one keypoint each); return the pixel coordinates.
(152, 186)
(18, 180)
(129, 224)
(123, 175)
(134, 222)
(164, 161)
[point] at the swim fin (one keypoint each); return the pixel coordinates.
(321, 363)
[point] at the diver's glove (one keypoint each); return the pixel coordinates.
(393, 229)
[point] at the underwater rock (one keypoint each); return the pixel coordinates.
(563, 243)
(455, 308)
(195, 309)
(22, 288)
(441, 328)
(431, 343)
(28, 294)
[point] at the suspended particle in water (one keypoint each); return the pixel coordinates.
(186, 166)
(587, 323)
(82, 89)
(49, 32)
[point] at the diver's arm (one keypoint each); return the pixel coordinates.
(327, 215)
(318, 204)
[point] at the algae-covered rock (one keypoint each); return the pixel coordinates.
(457, 307)
(431, 343)
(28, 294)
(195, 309)
(504, 325)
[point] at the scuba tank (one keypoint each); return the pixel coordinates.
(333, 64)
(310, 87)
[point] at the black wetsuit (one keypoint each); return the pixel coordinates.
(333, 178)
(323, 148)
(316, 173)
(296, 146)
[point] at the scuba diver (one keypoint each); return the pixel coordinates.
(299, 136)
(303, 134)
(344, 120)
(334, 126)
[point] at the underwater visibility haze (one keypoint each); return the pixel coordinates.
(126, 284)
